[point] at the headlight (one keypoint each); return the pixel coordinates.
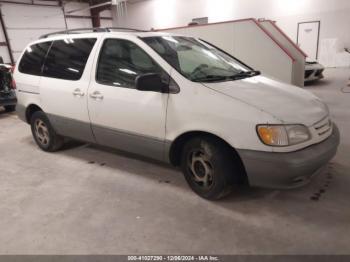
(283, 135)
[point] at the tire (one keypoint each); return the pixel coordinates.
(10, 108)
(209, 167)
(44, 134)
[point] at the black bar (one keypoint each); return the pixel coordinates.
(6, 38)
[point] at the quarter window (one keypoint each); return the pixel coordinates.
(121, 61)
(67, 58)
(33, 58)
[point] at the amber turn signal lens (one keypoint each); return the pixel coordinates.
(273, 135)
(265, 134)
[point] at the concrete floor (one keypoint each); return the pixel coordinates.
(85, 200)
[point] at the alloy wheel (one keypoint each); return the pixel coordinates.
(41, 132)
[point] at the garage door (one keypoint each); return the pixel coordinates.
(27, 23)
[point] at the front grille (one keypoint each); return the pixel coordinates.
(319, 72)
(308, 73)
(323, 127)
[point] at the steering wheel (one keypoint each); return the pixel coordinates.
(198, 70)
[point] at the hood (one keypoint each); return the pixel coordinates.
(310, 61)
(313, 66)
(287, 103)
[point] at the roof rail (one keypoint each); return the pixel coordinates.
(93, 29)
(125, 29)
(74, 31)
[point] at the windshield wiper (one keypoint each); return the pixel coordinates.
(211, 78)
(216, 78)
(245, 74)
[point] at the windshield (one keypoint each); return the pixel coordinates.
(197, 60)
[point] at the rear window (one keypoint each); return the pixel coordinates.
(67, 58)
(33, 58)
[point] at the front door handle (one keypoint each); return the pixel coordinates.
(78, 92)
(96, 95)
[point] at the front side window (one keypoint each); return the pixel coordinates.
(67, 58)
(197, 60)
(121, 61)
(33, 58)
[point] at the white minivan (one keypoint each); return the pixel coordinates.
(175, 99)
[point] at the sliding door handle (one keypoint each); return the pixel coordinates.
(96, 95)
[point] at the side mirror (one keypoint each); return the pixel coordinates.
(150, 82)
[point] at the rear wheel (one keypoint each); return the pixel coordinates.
(209, 167)
(44, 134)
(10, 108)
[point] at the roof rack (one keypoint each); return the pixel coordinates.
(93, 29)
(74, 31)
(125, 29)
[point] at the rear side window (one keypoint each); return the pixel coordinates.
(33, 58)
(67, 58)
(121, 61)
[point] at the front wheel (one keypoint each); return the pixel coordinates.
(44, 134)
(209, 167)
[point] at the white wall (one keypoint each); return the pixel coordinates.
(334, 34)
(298, 74)
(85, 22)
(170, 13)
(249, 43)
(26, 23)
(333, 14)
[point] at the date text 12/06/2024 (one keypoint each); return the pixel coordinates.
(174, 258)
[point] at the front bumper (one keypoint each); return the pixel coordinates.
(313, 73)
(288, 170)
(314, 76)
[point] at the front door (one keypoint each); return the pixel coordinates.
(121, 116)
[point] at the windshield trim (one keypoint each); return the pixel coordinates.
(211, 45)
